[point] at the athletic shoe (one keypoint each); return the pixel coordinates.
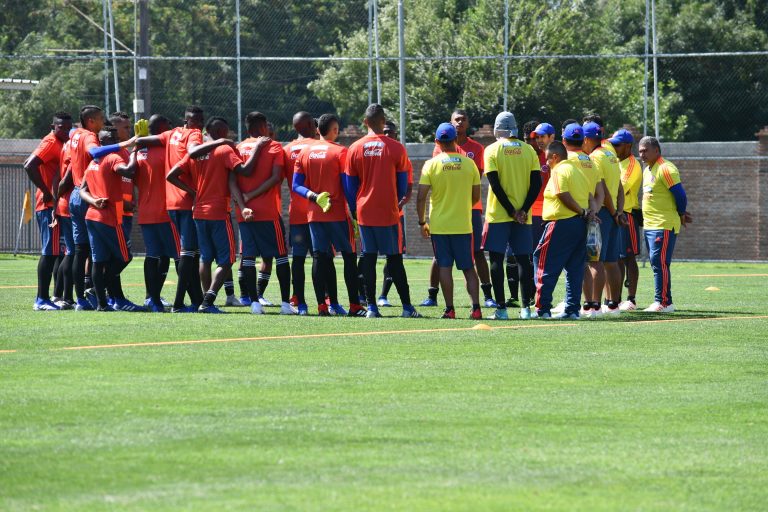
(256, 308)
(559, 308)
(499, 314)
(610, 311)
(476, 314)
(211, 310)
(165, 303)
(265, 302)
(293, 301)
(372, 313)
(525, 313)
(185, 309)
(44, 305)
(512, 303)
(233, 301)
(55, 299)
(429, 302)
(410, 312)
(449, 314)
(589, 313)
(383, 302)
(126, 305)
(63, 304)
(336, 309)
(90, 296)
(627, 305)
(490, 303)
(301, 309)
(155, 308)
(356, 310)
(285, 308)
(322, 310)
(567, 316)
(105, 310)
(546, 315)
(246, 301)
(656, 307)
(84, 305)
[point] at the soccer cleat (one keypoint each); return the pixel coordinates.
(233, 301)
(211, 310)
(246, 301)
(372, 313)
(477, 314)
(286, 308)
(165, 303)
(185, 309)
(264, 302)
(410, 312)
(44, 305)
(383, 303)
(302, 310)
(83, 305)
(567, 316)
(499, 314)
(656, 307)
(544, 315)
(610, 311)
(627, 305)
(126, 305)
(525, 313)
(511, 303)
(90, 296)
(429, 302)
(449, 314)
(336, 309)
(559, 308)
(322, 310)
(106, 309)
(490, 303)
(155, 308)
(589, 313)
(356, 310)
(294, 301)
(256, 308)
(64, 304)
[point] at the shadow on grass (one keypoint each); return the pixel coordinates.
(678, 315)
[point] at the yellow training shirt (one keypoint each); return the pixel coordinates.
(608, 168)
(631, 179)
(659, 206)
(451, 177)
(582, 162)
(565, 177)
(513, 160)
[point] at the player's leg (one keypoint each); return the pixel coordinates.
(390, 240)
(513, 280)
(575, 248)
(462, 249)
(385, 288)
(443, 261)
(612, 272)
(300, 248)
(65, 269)
(49, 238)
(82, 253)
(655, 240)
(321, 247)
(434, 285)
(521, 246)
(495, 241)
(548, 268)
(370, 248)
(481, 264)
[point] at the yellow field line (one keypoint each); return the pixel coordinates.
(7, 351)
(728, 275)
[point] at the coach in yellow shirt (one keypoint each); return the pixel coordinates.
(454, 183)
(664, 211)
(563, 246)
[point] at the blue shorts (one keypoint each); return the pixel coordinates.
(107, 242)
(385, 240)
(609, 232)
(161, 240)
(66, 234)
(262, 238)
(77, 211)
(217, 241)
(454, 248)
(185, 227)
(127, 227)
(50, 239)
(498, 235)
(329, 236)
(301, 240)
(477, 230)
(630, 236)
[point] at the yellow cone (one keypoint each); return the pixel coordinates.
(712, 289)
(482, 327)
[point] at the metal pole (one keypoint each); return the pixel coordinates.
(376, 43)
(135, 61)
(506, 52)
(106, 58)
(655, 71)
(401, 52)
(645, 81)
(370, 52)
(144, 50)
(114, 60)
(239, 83)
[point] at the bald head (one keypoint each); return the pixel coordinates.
(304, 124)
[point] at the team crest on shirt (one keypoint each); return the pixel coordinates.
(470, 154)
(373, 148)
(75, 141)
(175, 139)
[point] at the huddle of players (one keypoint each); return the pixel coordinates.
(170, 170)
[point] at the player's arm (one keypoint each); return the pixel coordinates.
(533, 192)
(618, 215)
(64, 186)
(196, 151)
(274, 179)
(498, 191)
(599, 196)
(681, 201)
(261, 143)
(237, 195)
(174, 178)
(97, 152)
(421, 207)
(128, 170)
(32, 168)
(607, 199)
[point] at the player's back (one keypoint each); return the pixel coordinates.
(608, 167)
(211, 177)
(451, 177)
(81, 140)
(104, 181)
(177, 142)
(583, 163)
(267, 205)
(150, 179)
(322, 162)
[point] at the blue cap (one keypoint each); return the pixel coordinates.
(592, 130)
(445, 132)
(622, 136)
(573, 132)
(544, 129)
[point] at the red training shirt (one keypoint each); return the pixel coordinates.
(62, 207)
(266, 207)
(299, 206)
(322, 162)
(49, 153)
(80, 142)
(210, 178)
(538, 204)
(104, 181)
(150, 179)
(177, 142)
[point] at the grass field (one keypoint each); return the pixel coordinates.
(642, 412)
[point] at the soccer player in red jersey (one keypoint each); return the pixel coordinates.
(375, 181)
(161, 240)
(209, 176)
(62, 187)
(42, 167)
(263, 233)
(102, 189)
(177, 143)
(317, 176)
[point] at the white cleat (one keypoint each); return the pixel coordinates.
(264, 302)
(558, 309)
(233, 301)
(287, 309)
(605, 310)
(256, 308)
(627, 305)
(590, 313)
(656, 307)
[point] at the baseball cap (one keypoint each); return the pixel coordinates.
(573, 132)
(592, 130)
(622, 136)
(505, 122)
(544, 129)
(445, 132)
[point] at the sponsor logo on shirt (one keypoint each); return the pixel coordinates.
(317, 155)
(175, 139)
(295, 150)
(373, 148)
(451, 159)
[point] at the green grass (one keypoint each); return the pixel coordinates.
(590, 415)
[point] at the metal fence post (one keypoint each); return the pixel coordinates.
(655, 71)
(106, 58)
(506, 53)
(376, 48)
(645, 75)
(239, 83)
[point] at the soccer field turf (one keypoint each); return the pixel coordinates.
(641, 412)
